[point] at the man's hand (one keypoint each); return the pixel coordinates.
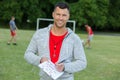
(59, 67)
(43, 59)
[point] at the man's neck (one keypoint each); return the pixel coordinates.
(58, 31)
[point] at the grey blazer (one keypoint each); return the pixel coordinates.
(72, 53)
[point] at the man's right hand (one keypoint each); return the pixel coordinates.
(43, 59)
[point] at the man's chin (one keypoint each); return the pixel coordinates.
(59, 26)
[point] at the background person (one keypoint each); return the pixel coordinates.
(13, 29)
(58, 44)
(90, 35)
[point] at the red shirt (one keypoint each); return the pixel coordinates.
(55, 43)
(89, 30)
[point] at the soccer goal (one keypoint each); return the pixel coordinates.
(40, 21)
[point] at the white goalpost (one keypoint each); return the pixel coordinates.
(46, 19)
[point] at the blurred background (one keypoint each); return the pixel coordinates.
(102, 15)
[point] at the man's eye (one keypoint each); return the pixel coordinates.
(58, 14)
(64, 15)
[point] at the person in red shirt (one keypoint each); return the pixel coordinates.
(90, 35)
(58, 44)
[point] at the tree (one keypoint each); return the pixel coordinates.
(114, 15)
(100, 14)
(10, 8)
(93, 12)
(24, 10)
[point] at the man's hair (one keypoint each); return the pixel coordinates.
(62, 5)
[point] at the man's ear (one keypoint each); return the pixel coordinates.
(53, 14)
(68, 16)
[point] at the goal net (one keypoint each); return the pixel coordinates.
(43, 22)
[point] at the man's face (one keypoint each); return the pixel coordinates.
(60, 17)
(13, 18)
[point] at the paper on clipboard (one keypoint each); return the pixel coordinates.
(50, 69)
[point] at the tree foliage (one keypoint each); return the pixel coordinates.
(114, 14)
(9, 8)
(100, 14)
(93, 12)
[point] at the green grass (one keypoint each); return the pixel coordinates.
(103, 58)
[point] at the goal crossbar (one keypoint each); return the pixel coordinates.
(45, 19)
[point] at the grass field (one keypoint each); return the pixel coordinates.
(103, 58)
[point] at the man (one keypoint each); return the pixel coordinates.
(90, 35)
(58, 44)
(13, 29)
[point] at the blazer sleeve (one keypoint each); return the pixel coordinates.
(31, 52)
